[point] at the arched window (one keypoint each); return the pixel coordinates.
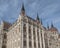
(5, 36)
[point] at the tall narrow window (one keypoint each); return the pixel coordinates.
(38, 38)
(5, 36)
(33, 31)
(34, 44)
(24, 43)
(42, 39)
(30, 44)
(29, 32)
(29, 29)
(46, 41)
(38, 45)
(24, 31)
(38, 34)
(34, 36)
(24, 28)
(3, 46)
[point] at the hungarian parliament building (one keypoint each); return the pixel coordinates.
(27, 32)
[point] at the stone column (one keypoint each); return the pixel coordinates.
(32, 36)
(43, 39)
(27, 35)
(36, 37)
(22, 35)
(40, 38)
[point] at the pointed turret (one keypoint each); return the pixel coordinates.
(38, 17)
(41, 21)
(47, 26)
(22, 10)
(52, 25)
(53, 29)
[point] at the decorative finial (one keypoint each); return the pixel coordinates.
(52, 25)
(23, 10)
(41, 21)
(47, 26)
(38, 17)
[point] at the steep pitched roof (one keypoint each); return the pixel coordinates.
(53, 29)
(6, 25)
(23, 9)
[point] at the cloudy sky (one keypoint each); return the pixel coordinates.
(48, 10)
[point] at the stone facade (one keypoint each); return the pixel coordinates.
(27, 32)
(3, 33)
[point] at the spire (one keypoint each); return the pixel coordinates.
(41, 22)
(52, 25)
(38, 17)
(22, 10)
(47, 26)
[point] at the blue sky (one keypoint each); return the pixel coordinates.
(48, 10)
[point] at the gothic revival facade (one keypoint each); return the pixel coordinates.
(27, 32)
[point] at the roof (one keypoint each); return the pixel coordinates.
(53, 29)
(31, 18)
(6, 25)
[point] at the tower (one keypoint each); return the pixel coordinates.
(22, 10)
(41, 21)
(47, 26)
(38, 19)
(52, 25)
